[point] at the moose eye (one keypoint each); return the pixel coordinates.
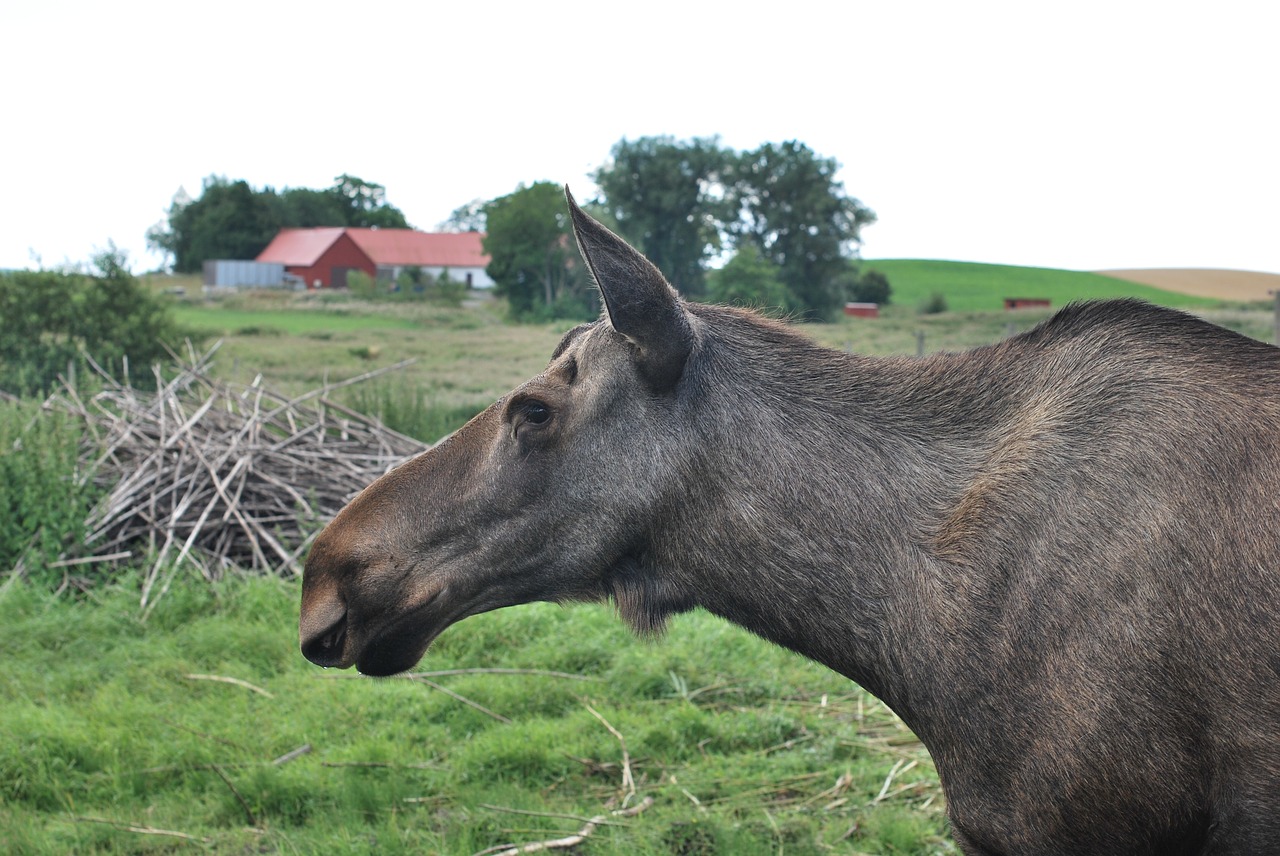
(529, 413)
(535, 412)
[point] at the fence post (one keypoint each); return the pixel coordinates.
(919, 343)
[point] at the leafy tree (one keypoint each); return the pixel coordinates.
(532, 257)
(667, 198)
(56, 318)
(303, 207)
(871, 287)
(230, 220)
(748, 279)
(466, 218)
(792, 207)
(365, 204)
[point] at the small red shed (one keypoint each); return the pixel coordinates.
(862, 310)
(1026, 303)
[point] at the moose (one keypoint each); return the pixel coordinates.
(1056, 558)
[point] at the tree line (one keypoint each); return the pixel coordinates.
(771, 227)
(231, 220)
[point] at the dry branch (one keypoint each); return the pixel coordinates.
(226, 680)
(589, 825)
(139, 829)
(222, 475)
(569, 840)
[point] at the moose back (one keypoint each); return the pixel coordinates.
(1056, 558)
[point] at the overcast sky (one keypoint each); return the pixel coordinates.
(1086, 135)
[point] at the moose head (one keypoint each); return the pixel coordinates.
(552, 493)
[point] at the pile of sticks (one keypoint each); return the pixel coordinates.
(221, 475)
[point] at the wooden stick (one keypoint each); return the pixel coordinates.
(570, 840)
(140, 830)
(461, 698)
(236, 681)
(88, 560)
(244, 804)
(628, 781)
(293, 755)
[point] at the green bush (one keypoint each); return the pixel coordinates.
(54, 319)
(362, 285)
(871, 287)
(43, 505)
(934, 304)
(749, 279)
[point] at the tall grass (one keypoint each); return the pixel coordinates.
(44, 499)
(411, 409)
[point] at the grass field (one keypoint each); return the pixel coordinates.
(970, 287)
(177, 734)
(125, 737)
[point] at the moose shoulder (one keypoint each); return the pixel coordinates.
(1057, 558)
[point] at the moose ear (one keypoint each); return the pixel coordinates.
(641, 304)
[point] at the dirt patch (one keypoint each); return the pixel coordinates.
(1214, 283)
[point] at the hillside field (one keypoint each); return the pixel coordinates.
(1233, 285)
(974, 287)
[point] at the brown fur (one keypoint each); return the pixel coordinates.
(1056, 558)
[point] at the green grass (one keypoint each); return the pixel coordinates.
(744, 748)
(970, 287)
(230, 321)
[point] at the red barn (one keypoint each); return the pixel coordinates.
(323, 257)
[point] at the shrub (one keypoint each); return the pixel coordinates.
(55, 319)
(749, 279)
(362, 285)
(871, 287)
(934, 304)
(448, 290)
(43, 504)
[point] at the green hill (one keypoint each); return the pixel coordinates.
(969, 286)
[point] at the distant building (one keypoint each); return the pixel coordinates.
(323, 257)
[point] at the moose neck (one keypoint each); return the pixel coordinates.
(825, 479)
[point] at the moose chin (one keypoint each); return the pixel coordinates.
(1057, 558)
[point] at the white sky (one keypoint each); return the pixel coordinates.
(1084, 135)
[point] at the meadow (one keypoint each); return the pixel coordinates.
(201, 729)
(969, 286)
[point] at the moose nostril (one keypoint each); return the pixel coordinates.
(326, 648)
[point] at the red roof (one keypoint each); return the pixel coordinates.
(400, 247)
(300, 247)
(384, 247)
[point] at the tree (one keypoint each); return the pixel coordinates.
(871, 287)
(466, 218)
(667, 198)
(748, 279)
(230, 220)
(532, 256)
(303, 207)
(53, 318)
(365, 204)
(792, 207)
